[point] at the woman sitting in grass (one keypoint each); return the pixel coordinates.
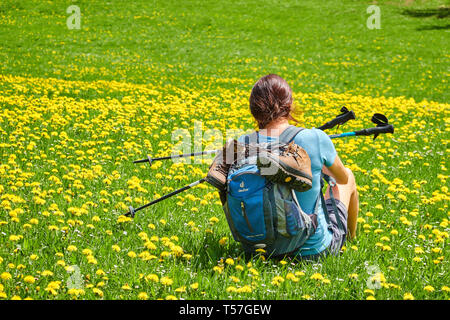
(271, 106)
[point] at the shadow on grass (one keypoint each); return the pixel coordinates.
(208, 252)
(442, 12)
(446, 27)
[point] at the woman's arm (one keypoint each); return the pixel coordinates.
(337, 171)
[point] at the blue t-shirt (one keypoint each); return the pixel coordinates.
(321, 151)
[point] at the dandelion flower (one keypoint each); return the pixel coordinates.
(29, 279)
(429, 288)
(5, 276)
(46, 273)
(142, 296)
(244, 289)
(408, 296)
(98, 292)
(418, 250)
(152, 277)
(223, 241)
(166, 281)
(194, 286)
(126, 287)
(317, 276)
(71, 248)
(231, 289)
(181, 289)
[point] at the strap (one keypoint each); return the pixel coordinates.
(324, 205)
(289, 134)
(251, 138)
(331, 182)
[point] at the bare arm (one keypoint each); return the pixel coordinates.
(337, 171)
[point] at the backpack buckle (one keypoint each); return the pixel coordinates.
(332, 182)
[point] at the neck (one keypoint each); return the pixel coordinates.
(275, 128)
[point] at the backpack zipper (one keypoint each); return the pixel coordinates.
(244, 214)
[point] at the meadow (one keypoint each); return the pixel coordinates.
(78, 106)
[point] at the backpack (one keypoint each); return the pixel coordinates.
(262, 214)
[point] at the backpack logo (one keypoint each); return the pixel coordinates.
(242, 187)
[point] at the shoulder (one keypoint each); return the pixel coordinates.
(314, 140)
(308, 134)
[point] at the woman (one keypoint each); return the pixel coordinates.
(271, 106)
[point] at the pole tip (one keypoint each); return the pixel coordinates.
(149, 160)
(131, 212)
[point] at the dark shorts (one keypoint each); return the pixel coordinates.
(339, 231)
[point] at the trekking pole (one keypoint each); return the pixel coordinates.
(380, 120)
(345, 116)
(382, 127)
(150, 160)
(132, 211)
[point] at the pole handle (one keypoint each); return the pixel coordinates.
(375, 131)
(340, 119)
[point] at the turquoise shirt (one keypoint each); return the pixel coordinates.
(321, 151)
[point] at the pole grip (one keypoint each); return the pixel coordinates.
(375, 131)
(340, 119)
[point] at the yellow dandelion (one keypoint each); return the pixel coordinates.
(142, 296)
(428, 288)
(194, 286)
(29, 279)
(97, 291)
(152, 277)
(408, 296)
(181, 289)
(72, 248)
(231, 289)
(166, 281)
(126, 287)
(223, 241)
(5, 276)
(317, 276)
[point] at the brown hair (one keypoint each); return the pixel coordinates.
(271, 98)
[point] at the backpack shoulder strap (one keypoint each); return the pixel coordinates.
(251, 138)
(289, 134)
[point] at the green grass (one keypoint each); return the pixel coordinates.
(77, 106)
(315, 45)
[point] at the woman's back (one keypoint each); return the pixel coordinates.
(321, 152)
(271, 105)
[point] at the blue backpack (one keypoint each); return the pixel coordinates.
(262, 214)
